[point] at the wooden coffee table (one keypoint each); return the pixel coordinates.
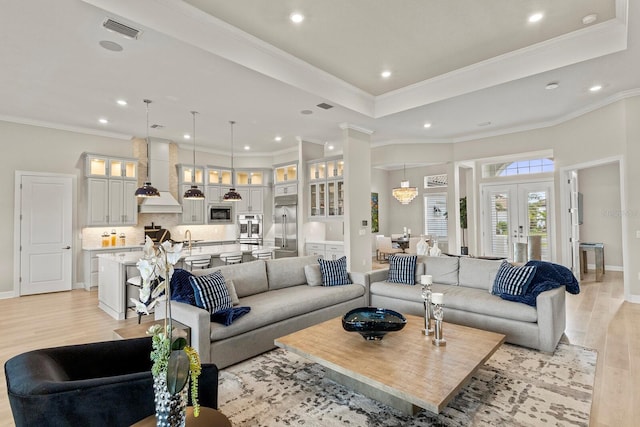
(404, 370)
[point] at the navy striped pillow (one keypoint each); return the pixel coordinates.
(211, 292)
(402, 269)
(512, 280)
(334, 273)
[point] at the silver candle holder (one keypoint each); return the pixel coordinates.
(438, 314)
(426, 281)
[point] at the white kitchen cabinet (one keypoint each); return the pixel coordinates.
(333, 251)
(252, 200)
(328, 250)
(285, 189)
(335, 198)
(97, 201)
(90, 263)
(187, 174)
(315, 249)
(326, 187)
(317, 199)
(285, 173)
(193, 210)
(216, 175)
(250, 177)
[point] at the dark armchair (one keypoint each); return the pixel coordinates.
(98, 384)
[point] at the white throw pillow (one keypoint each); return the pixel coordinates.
(313, 274)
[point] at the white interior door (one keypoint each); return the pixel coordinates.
(45, 234)
(513, 213)
(574, 239)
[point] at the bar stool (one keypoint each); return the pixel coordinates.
(197, 261)
(262, 254)
(231, 257)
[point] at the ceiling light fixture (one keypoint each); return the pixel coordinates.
(246, 147)
(147, 190)
(590, 19)
(277, 139)
(121, 102)
(186, 136)
(330, 147)
(427, 125)
(385, 74)
(232, 195)
(103, 121)
(595, 88)
(405, 194)
(552, 85)
(194, 192)
(296, 17)
(536, 17)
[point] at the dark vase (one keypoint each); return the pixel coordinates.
(464, 250)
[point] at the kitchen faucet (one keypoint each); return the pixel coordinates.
(188, 233)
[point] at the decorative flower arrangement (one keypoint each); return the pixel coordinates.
(174, 362)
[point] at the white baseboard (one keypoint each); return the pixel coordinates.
(607, 267)
(8, 294)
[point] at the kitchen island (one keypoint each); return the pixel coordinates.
(115, 268)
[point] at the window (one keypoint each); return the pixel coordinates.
(435, 214)
(520, 167)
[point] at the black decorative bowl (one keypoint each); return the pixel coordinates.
(373, 323)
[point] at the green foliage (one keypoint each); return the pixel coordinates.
(463, 213)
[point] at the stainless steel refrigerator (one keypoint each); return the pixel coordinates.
(286, 226)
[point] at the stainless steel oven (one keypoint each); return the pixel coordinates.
(250, 229)
(220, 213)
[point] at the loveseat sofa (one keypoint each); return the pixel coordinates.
(466, 284)
(281, 302)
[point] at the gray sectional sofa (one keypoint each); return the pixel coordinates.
(281, 302)
(466, 284)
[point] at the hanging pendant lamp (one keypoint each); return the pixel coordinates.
(405, 194)
(147, 190)
(232, 195)
(194, 192)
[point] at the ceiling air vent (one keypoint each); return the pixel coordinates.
(324, 106)
(156, 126)
(120, 28)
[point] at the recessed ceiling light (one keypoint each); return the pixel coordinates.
(121, 102)
(246, 147)
(484, 124)
(109, 45)
(536, 17)
(306, 112)
(103, 121)
(595, 88)
(427, 125)
(552, 85)
(277, 139)
(330, 147)
(186, 136)
(386, 74)
(590, 19)
(296, 17)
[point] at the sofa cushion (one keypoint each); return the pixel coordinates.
(281, 304)
(232, 292)
(334, 273)
(313, 274)
(444, 269)
(249, 278)
(211, 292)
(512, 280)
(289, 271)
(402, 269)
(460, 298)
(478, 273)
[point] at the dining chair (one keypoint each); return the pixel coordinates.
(386, 248)
(413, 245)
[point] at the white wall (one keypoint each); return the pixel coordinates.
(600, 187)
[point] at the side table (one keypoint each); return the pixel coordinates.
(598, 250)
(208, 417)
(140, 330)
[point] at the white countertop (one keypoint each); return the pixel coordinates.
(326, 242)
(131, 258)
(139, 246)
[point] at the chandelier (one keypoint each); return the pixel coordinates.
(405, 194)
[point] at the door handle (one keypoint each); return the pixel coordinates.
(67, 247)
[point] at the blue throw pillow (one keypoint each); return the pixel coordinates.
(334, 273)
(181, 289)
(402, 269)
(211, 292)
(512, 280)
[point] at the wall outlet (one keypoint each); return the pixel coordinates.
(362, 232)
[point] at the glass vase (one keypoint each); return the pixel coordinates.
(171, 411)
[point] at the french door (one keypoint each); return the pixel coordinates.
(518, 213)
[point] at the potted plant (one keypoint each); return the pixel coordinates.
(464, 249)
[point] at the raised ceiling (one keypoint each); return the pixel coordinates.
(454, 64)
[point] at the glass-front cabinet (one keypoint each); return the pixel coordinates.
(187, 173)
(285, 173)
(217, 175)
(110, 167)
(317, 199)
(335, 168)
(317, 170)
(245, 177)
(335, 198)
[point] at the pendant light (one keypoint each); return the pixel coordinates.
(232, 195)
(405, 194)
(147, 190)
(194, 192)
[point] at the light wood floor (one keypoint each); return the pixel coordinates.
(597, 318)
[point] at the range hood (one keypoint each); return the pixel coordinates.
(159, 176)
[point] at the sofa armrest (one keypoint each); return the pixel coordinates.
(378, 275)
(551, 317)
(361, 279)
(198, 319)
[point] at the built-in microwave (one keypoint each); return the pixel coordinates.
(220, 213)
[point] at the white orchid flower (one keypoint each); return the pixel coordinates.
(146, 269)
(148, 249)
(145, 293)
(140, 307)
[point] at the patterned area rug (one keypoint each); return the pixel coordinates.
(516, 387)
